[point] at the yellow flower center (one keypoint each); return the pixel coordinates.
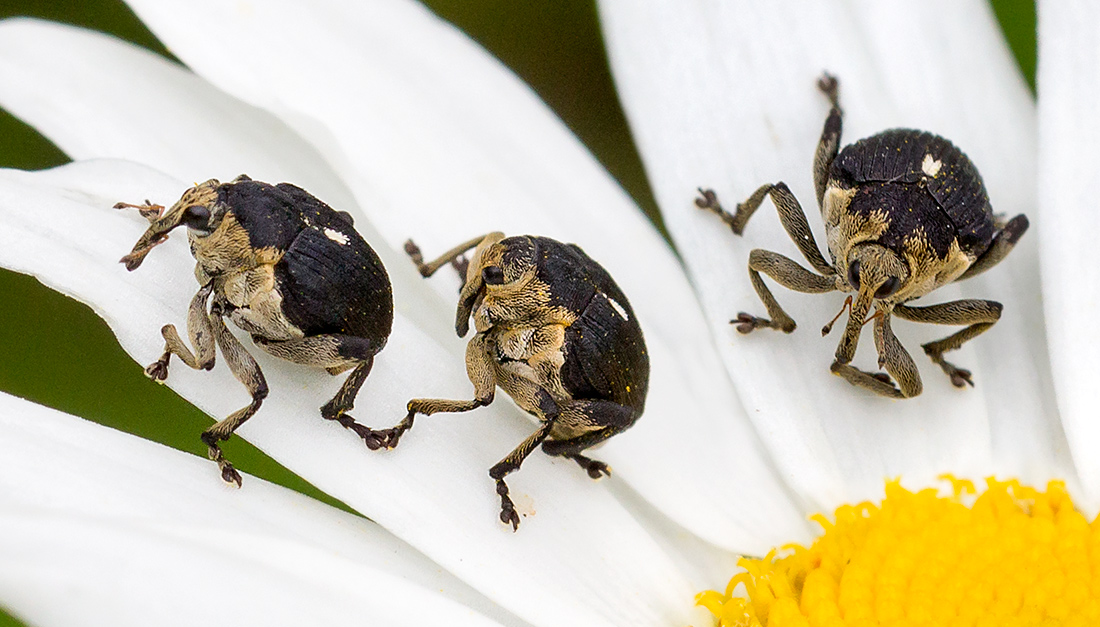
(1012, 556)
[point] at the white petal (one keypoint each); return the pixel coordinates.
(694, 453)
(1069, 131)
(579, 559)
(722, 94)
(132, 532)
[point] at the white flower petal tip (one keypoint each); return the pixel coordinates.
(130, 532)
(1069, 97)
(596, 564)
(722, 95)
(396, 149)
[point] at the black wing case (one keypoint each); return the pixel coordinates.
(605, 352)
(898, 156)
(334, 287)
(332, 281)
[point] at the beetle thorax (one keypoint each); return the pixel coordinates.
(226, 249)
(513, 302)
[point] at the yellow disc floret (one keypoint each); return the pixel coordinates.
(1013, 556)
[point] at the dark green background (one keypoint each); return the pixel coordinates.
(56, 352)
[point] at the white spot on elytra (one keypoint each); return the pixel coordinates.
(336, 236)
(617, 307)
(930, 166)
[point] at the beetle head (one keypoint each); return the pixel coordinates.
(486, 255)
(876, 273)
(500, 271)
(196, 209)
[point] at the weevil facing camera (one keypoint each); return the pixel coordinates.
(905, 212)
(557, 334)
(287, 269)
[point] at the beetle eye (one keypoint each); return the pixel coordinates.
(196, 217)
(853, 275)
(493, 275)
(888, 288)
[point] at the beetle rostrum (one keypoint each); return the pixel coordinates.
(288, 270)
(556, 333)
(905, 212)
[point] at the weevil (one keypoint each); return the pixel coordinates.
(905, 213)
(556, 333)
(288, 270)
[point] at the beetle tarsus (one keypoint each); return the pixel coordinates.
(214, 452)
(417, 257)
(747, 323)
(158, 370)
(595, 469)
(149, 211)
(960, 377)
(508, 513)
(229, 473)
(708, 201)
(830, 87)
(461, 264)
(878, 382)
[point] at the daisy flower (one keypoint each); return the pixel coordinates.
(384, 111)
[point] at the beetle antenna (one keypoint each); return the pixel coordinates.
(829, 327)
(878, 314)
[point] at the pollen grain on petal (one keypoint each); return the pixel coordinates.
(1013, 555)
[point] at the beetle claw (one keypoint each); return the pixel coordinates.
(508, 513)
(230, 474)
(961, 378)
(598, 470)
(747, 323)
(707, 200)
(158, 370)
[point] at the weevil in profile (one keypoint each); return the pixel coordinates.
(288, 270)
(905, 213)
(556, 333)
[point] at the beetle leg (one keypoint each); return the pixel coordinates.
(893, 356)
(548, 413)
(790, 214)
(149, 211)
(201, 334)
(247, 371)
(1003, 242)
(336, 409)
(789, 274)
(611, 418)
(333, 352)
(978, 314)
(430, 268)
(479, 367)
(877, 382)
(829, 144)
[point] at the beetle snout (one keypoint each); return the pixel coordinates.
(877, 269)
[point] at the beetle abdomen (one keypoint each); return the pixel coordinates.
(900, 158)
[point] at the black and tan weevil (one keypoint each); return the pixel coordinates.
(557, 334)
(287, 269)
(905, 212)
